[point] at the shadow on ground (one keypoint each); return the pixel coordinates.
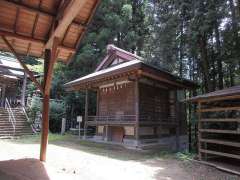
(112, 151)
(102, 149)
(23, 169)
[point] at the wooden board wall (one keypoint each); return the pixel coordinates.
(154, 103)
(113, 102)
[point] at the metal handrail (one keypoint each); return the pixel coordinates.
(28, 120)
(10, 115)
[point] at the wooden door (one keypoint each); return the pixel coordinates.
(117, 134)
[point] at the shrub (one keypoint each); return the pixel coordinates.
(57, 111)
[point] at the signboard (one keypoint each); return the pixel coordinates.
(79, 118)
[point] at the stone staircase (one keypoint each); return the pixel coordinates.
(22, 127)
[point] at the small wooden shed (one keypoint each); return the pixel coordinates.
(219, 125)
(138, 105)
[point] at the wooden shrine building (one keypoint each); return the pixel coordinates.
(137, 104)
(13, 81)
(219, 127)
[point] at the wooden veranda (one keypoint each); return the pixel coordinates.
(49, 29)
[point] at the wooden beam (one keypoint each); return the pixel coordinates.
(86, 114)
(35, 25)
(216, 109)
(77, 45)
(32, 40)
(88, 22)
(16, 20)
(30, 74)
(199, 132)
(220, 120)
(98, 101)
(177, 119)
(52, 61)
(71, 11)
(219, 131)
(136, 88)
(220, 154)
(222, 142)
(222, 98)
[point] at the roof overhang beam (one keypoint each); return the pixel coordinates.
(68, 15)
(30, 74)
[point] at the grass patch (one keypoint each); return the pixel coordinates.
(184, 156)
(113, 151)
(33, 139)
(107, 150)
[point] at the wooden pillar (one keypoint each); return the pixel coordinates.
(199, 133)
(49, 61)
(137, 110)
(63, 128)
(97, 103)
(45, 111)
(106, 133)
(177, 114)
(45, 127)
(24, 85)
(86, 114)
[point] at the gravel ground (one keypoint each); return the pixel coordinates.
(70, 159)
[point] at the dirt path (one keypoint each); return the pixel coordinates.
(69, 159)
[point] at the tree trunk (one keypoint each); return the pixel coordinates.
(181, 50)
(218, 58)
(205, 62)
(231, 75)
(235, 31)
(213, 73)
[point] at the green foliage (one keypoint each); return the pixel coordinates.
(198, 40)
(119, 22)
(57, 111)
(184, 156)
(35, 108)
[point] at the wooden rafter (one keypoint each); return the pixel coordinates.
(28, 49)
(70, 12)
(30, 74)
(26, 7)
(61, 8)
(32, 40)
(35, 25)
(88, 22)
(16, 20)
(37, 11)
(40, 4)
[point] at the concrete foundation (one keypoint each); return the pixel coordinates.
(166, 143)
